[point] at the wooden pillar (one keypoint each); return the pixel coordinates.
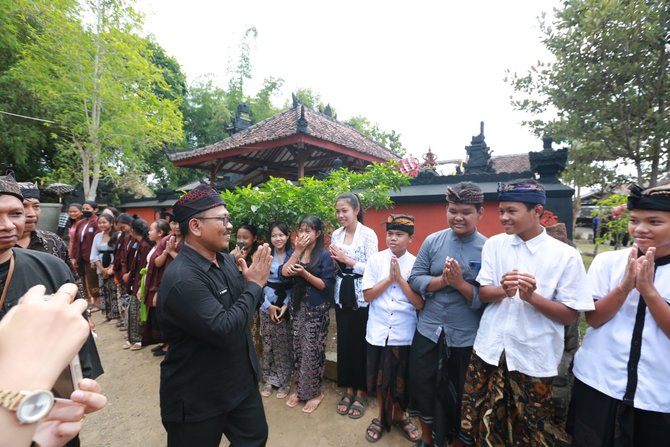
(301, 156)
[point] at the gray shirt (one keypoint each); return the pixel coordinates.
(447, 309)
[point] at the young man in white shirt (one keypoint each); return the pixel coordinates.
(533, 284)
(390, 327)
(621, 394)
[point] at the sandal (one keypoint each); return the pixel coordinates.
(266, 391)
(312, 404)
(346, 401)
(359, 404)
(376, 428)
(136, 346)
(293, 400)
(407, 428)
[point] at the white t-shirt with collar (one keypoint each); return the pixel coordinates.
(533, 343)
(602, 360)
(392, 317)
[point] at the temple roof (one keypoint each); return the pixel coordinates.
(511, 163)
(274, 145)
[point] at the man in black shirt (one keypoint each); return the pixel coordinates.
(209, 378)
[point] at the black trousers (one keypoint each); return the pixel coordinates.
(593, 421)
(244, 426)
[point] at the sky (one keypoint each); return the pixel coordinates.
(430, 70)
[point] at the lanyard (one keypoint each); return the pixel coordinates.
(9, 278)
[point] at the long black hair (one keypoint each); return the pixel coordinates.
(354, 202)
(141, 227)
(314, 222)
(283, 227)
(254, 245)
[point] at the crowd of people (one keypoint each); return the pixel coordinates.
(464, 338)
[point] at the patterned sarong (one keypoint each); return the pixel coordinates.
(310, 328)
(277, 351)
(503, 408)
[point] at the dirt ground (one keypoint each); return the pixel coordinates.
(132, 416)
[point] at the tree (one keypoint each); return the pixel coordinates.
(390, 140)
(585, 169)
(609, 81)
(99, 82)
(280, 200)
(27, 145)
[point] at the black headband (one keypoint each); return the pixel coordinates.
(657, 199)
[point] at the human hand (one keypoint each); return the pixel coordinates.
(292, 270)
(510, 283)
(273, 311)
(282, 312)
(395, 274)
(171, 245)
(337, 254)
(66, 418)
(527, 286)
(39, 338)
(260, 266)
(238, 253)
(302, 241)
(644, 278)
(629, 275)
(453, 271)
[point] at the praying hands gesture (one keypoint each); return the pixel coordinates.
(516, 281)
(452, 275)
(639, 273)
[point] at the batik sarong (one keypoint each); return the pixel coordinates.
(277, 351)
(503, 408)
(310, 328)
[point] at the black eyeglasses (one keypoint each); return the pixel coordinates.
(226, 219)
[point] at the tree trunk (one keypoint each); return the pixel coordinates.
(96, 108)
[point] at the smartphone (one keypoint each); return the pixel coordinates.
(240, 245)
(68, 380)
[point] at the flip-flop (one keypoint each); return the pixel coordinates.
(360, 408)
(376, 428)
(266, 391)
(292, 404)
(318, 398)
(346, 401)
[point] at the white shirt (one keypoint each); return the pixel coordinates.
(363, 245)
(392, 317)
(602, 360)
(533, 343)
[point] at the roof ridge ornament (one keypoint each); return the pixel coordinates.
(302, 122)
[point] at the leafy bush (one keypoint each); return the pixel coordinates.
(613, 225)
(280, 200)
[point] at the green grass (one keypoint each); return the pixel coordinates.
(587, 249)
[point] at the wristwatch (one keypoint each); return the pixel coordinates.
(30, 406)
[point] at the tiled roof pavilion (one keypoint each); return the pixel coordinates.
(292, 144)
